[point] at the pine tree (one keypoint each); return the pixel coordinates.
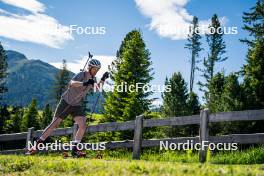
(193, 109)
(46, 116)
(254, 68)
(17, 119)
(2, 122)
(175, 102)
(4, 117)
(231, 99)
(194, 45)
(254, 76)
(216, 50)
(216, 87)
(131, 66)
(254, 23)
(3, 73)
(61, 81)
(254, 82)
(226, 95)
(12, 124)
(31, 117)
(193, 104)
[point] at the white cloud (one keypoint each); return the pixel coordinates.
(169, 18)
(76, 65)
(30, 5)
(35, 27)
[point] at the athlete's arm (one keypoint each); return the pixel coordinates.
(76, 80)
(80, 84)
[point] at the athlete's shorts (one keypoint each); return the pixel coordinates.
(63, 109)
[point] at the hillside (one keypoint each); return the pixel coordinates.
(28, 79)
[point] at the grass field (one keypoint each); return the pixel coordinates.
(55, 165)
(120, 163)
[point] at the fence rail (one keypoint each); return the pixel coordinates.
(137, 143)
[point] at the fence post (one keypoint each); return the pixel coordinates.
(204, 133)
(29, 136)
(75, 129)
(137, 137)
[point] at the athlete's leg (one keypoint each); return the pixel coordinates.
(54, 124)
(61, 112)
(81, 121)
(49, 129)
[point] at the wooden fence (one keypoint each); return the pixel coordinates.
(139, 123)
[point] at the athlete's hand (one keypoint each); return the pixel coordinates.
(105, 76)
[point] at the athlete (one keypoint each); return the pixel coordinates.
(71, 103)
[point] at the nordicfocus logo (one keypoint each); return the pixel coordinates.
(190, 145)
(138, 87)
(68, 31)
(58, 145)
(201, 30)
(88, 30)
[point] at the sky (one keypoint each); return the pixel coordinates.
(47, 30)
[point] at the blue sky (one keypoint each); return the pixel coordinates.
(22, 23)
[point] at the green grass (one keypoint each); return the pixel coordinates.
(153, 162)
(253, 155)
(56, 165)
(153, 155)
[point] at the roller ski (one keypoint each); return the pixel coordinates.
(75, 153)
(80, 154)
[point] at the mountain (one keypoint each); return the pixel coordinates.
(28, 79)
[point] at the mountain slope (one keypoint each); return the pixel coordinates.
(28, 79)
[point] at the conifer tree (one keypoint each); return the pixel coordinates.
(61, 81)
(217, 47)
(194, 45)
(17, 115)
(131, 67)
(254, 68)
(46, 116)
(4, 116)
(216, 87)
(31, 117)
(231, 99)
(175, 102)
(253, 23)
